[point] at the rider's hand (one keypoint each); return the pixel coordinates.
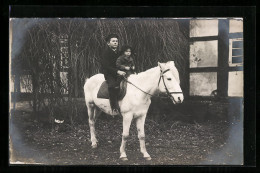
(127, 68)
(133, 67)
(121, 73)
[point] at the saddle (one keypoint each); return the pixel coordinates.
(103, 90)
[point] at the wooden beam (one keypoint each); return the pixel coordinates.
(237, 68)
(236, 35)
(208, 38)
(186, 89)
(203, 69)
(223, 57)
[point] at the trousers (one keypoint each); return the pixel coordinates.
(113, 90)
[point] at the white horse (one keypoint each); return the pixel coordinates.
(141, 87)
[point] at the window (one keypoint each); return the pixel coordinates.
(204, 54)
(235, 84)
(235, 25)
(26, 83)
(202, 84)
(236, 52)
(201, 28)
(64, 82)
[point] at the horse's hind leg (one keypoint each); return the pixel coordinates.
(92, 115)
(141, 135)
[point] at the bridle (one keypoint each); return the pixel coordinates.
(169, 94)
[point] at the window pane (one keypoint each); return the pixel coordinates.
(202, 84)
(235, 25)
(238, 44)
(26, 83)
(199, 28)
(235, 84)
(64, 81)
(204, 54)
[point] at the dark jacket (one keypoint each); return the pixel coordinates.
(108, 63)
(124, 61)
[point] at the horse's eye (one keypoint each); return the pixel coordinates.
(169, 79)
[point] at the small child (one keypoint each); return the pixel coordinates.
(125, 62)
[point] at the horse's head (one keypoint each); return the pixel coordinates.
(169, 82)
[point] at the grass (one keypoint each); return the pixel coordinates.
(169, 143)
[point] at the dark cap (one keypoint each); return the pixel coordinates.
(111, 36)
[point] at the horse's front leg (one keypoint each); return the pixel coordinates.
(127, 119)
(141, 135)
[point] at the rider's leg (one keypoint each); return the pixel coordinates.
(113, 98)
(113, 93)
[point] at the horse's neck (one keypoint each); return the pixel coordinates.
(147, 81)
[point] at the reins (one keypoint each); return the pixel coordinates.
(139, 88)
(167, 91)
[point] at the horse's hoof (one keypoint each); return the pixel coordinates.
(124, 158)
(148, 158)
(94, 146)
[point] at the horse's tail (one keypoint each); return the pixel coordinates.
(85, 86)
(86, 80)
(90, 84)
(87, 94)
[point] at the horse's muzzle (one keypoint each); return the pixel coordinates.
(177, 99)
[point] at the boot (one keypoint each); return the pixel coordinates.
(113, 100)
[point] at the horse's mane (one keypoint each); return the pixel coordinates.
(141, 74)
(149, 71)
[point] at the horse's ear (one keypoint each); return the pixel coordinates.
(159, 64)
(171, 62)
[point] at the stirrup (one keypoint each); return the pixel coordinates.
(116, 111)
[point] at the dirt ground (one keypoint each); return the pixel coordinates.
(169, 143)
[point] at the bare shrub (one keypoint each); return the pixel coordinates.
(152, 40)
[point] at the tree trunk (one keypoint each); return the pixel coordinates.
(76, 80)
(35, 93)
